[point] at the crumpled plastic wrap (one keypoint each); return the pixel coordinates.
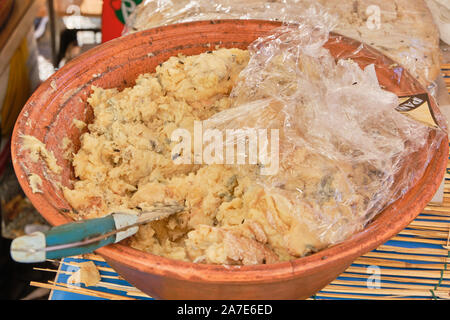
(402, 29)
(345, 153)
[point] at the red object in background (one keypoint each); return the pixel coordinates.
(112, 27)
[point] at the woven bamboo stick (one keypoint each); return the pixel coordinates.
(131, 291)
(441, 210)
(433, 215)
(444, 219)
(400, 264)
(386, 285)
(399, 279)
(398, 292)
(425, 233)
(322, 295)
(81, 291)
(100, 268)
(70, 273)
(75, 287)
(422, 240)
(429, 225)
(427, 251)
(404, 272)
(93, 256)
(408, 257)
(128, 289)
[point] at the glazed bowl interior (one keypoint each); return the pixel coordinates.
(49, 114)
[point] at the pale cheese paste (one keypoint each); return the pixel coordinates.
(125, 163)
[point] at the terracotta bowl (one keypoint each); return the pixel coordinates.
(49, 113)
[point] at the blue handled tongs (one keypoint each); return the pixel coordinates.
(85, 236)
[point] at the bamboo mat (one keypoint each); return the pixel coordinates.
(415, 264)
(446, 74)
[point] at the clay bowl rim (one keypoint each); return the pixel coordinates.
(374, 234)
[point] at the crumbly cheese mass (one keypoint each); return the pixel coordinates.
(125, 163)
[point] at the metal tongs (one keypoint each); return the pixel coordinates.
(85, 236)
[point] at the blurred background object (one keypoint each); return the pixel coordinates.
(73, 26)
(36, 38)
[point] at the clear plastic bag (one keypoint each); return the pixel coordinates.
(402, 29)
(344, 151)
